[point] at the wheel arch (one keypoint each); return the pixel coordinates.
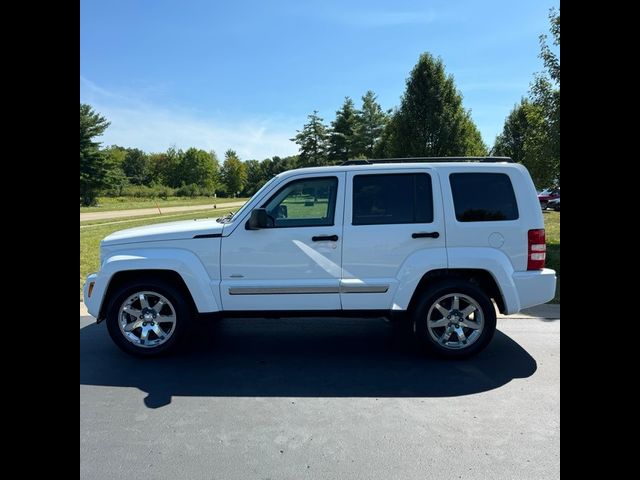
(122, 277)
(480, 277)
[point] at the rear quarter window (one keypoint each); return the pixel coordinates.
(483, 197)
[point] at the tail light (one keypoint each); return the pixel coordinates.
(537, 249)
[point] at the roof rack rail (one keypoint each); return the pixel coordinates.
(426, 160)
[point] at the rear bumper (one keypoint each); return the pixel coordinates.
(535, 287)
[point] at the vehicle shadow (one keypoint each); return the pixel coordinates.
(323, 357)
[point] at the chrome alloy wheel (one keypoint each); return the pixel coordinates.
(455, 321)
(147, 319)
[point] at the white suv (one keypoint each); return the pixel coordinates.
(434, 239)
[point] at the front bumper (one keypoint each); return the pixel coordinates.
(535, 286)
(93, 301)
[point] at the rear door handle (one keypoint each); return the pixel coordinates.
(425, 234)
(324, 238)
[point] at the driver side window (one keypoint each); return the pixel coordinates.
(309, 202)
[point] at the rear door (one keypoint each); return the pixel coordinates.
(393, 229)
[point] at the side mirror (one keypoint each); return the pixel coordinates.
(258, 219)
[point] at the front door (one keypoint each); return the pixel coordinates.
(295, 263)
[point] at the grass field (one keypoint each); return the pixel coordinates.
(90, 239)
(552, 231)
(130, 203)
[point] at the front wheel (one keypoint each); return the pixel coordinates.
(454, 319)
(148, 317)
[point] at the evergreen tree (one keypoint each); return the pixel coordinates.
(342, 134)
(431, 120)
(95, 168)
(369, 127)
(312, 141)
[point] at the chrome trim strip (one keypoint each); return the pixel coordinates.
(307, 290)
(364, 288)
(280, 290)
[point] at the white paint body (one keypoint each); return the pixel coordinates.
(369, 267)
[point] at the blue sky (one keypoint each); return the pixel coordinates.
(244, 74)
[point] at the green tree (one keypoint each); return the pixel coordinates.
(172, 169)
(233, 173)
(431, 120)
(545, 93)
(116, 155)
(531, 134)
(159, 168)
(95, 168)
(511, 142)
(200, 168)
(312, 142)
(371, 122)
(117, 179)
(342, 134)
(539, 156)
(137, 167)
(255, 177)
(273, 166)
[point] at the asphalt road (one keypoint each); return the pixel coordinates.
(139, 212)
(321, 398)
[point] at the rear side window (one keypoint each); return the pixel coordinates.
(483, 197)
(392, 199)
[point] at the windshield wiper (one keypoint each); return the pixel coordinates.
(225, 219)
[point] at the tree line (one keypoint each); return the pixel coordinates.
(430, 121)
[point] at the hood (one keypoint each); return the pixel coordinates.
(183, 229)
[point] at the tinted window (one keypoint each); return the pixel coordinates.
(483, 197)
(309, 202)
(390, 199)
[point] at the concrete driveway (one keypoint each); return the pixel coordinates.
(321, 398)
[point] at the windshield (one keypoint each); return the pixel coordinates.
(228, 218)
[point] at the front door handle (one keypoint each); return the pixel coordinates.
(425, 234)
(324, 238)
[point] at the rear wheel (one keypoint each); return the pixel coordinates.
(454, 319)
(148, 317)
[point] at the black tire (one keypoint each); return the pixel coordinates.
(175, 295)
(428, 299)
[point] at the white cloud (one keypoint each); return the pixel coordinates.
(153, 128)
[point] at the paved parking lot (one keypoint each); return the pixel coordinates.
(321, 398)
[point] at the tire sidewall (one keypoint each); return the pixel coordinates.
(174, 295)
(421, 331)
